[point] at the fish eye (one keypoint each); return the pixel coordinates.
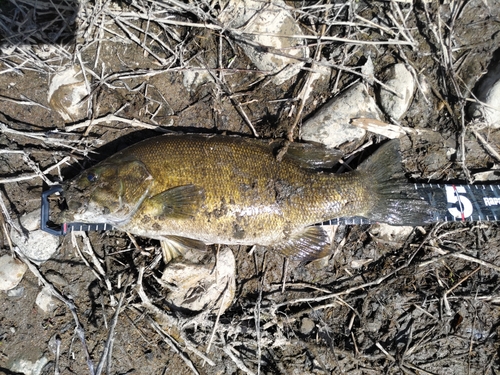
(92, 177)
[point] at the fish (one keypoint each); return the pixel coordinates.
(191, 190)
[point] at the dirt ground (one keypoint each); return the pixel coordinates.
(425, 304)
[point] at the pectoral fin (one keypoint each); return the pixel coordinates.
(175, 246)
(310, 244)
(179, 202)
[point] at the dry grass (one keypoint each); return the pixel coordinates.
(425, 305)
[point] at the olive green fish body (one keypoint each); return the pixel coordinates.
(230, 190)
(246, 195)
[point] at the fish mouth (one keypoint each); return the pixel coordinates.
(62, 212)
(53, 216)
(74, 206)
(60, 208)
(62, 220)
(85, 211)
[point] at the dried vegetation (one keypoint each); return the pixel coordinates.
(428, 304)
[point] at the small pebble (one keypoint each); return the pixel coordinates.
(11, 272)
(360, 263)
(28, 367)
(56, 278)
(45, 301)
(307, 326)
(368, 69)
(16, 293)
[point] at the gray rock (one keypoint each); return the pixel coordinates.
(401, 81)
(37, 245)
(260, 27)
(331, 123)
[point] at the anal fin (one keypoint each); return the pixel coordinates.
(176, 246)
(310, 244)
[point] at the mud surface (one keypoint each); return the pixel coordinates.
(428, 303)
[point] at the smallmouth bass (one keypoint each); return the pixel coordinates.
(191, 190)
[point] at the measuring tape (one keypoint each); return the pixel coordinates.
(463, 203)
(64, 228)
(467, 202)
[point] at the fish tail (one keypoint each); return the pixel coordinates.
(393, 199)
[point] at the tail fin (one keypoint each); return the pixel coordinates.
(395, 201)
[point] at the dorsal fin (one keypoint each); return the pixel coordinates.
(313, 155)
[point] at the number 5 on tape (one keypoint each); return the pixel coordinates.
(454, 195)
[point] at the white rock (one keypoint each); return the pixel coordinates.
(492, 113)
(37, 245)
(260, 25)
(360, 263)
(67, 91)
(492, 175)
(199, 287)
(401, 81)
(45, 301)
(390, 233)
(11, 272)
(28, 367)
(488, 92)
(331, 123)
(17, 292)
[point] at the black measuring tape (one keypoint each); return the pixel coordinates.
(456, 203)
(466, 202)
(447, 203)
(64, 228)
